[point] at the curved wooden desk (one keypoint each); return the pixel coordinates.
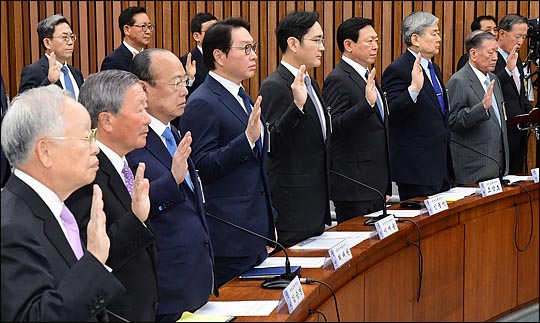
(474, 267)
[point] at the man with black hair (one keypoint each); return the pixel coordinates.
(484, 23)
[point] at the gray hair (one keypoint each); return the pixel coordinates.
(476, 39)
(105, 91)
(510, 20)
(33, 114)
(47, 27)
(415, 24)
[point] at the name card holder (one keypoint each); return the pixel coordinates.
(436, 204)
(340, 254)
(291, 296)
(534, 173)
(490, 187)
(386, 226)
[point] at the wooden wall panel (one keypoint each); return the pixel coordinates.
(95, 23)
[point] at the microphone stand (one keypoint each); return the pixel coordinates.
(504, 182)
(370, 221)
(278, 282)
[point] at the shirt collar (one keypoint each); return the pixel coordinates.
(46, 194)
(131, 48)
(114, 158)
(232, 87)
(357, 67)
(292, 69)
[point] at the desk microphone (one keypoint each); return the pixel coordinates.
(370, 221)
(504, 182)
(278, 282)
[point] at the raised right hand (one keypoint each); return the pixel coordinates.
(486, 101)
(299, 89)
(98, 241)
(54, 69)
(417, 75)
(140, 200)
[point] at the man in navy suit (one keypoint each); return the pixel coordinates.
(58, 40)
(421, 162)
(47, 273)
(121, 121)
(185, 264)
(299, 126)
(229, 149)
(136, 30)
(359, 142)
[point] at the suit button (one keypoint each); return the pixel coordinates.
(156, 305)
(206, 243)
(92, 311)
(263, 193)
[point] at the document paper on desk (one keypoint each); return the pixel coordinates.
(304, 262)
(238, 308)
(330, 238)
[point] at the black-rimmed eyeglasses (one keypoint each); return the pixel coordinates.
(248, 48)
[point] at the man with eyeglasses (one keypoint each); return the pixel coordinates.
(299, 128)
(58, 40)
(48, 274)
(229, 149)
(119, 115)
(136, 30)
(185, 264)
(509, 69)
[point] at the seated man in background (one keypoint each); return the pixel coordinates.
(47, 273)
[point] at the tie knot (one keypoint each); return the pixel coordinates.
(367, 74)
(307, 80)
(168, 133)
(242, 93)
(487, 81)
(67, 216)
(64, 69)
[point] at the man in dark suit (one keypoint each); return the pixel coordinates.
(484, 23)
(185, 264)
(229, 150)
(299, 127)
(512, 33)
(58, 40)
(47, 273)
(358, 146)
(136, 30)
(6, 167)
(119, 116)
(476, 114)
(421, 162)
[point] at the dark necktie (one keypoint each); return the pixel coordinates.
(171, 147)
(72, 230)
(436, 87)
(67, 80)
(128, 176)
(247, 104)
(311, 94)
(379, 102)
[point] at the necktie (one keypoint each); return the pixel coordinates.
(247, 104)
(494, 105)
(72, 232)
(436, 86)
(171, 147)
(379, 102)
(515, 76)
(67, 80)
(311, 94)
(128, 177)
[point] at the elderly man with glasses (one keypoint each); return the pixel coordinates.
(58, 40)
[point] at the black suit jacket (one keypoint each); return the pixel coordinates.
(119, 59)
(202, 70)
(515, 103)
(358, 146)
(42, 281)
(462, 61)
(132, 255)
(297, 164)
(5, 170)
(36, 74)
(419, 133)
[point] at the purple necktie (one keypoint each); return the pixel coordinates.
(128, 176)
(72, 232)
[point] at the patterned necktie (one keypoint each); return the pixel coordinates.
(494, 105)
(247, 105)
(515, 76)
(67, 80)
(436, 87)
(72, 232)
(311, 94)
(379, 102)
(171, 147)
(128, 177)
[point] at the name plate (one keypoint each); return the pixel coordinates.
(534, 173)
(340, 254)
(293, 294)
(386, 226)
(436, 204)
(490, 187)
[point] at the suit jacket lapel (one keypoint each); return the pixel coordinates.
(114, 180)
(51, 227)
(228, 100)
(155, 146)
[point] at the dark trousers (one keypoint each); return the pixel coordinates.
(346, 210)
(228, 268)
(168, 317)
(407, 191)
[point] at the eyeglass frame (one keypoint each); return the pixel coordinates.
(319, 41)
(248, 48)
(178, 82)
(144, 27)
(66, 37)
(90, 138)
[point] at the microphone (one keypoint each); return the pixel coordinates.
(122, 319)
(504, 182)
(278, 282)
(370, 221)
